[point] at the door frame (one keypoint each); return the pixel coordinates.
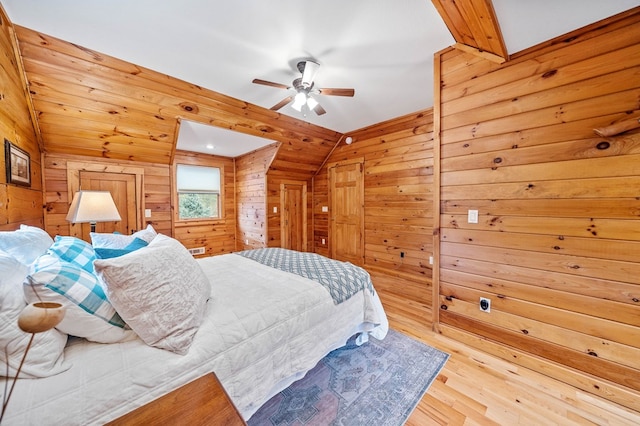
(73, 185)
(305, 222)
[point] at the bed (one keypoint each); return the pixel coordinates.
(262, 327)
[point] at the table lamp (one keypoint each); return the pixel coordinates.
(92, 207)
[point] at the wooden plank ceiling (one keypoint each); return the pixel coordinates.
(91, 104)
(474, 26)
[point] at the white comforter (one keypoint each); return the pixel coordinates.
(264, 328)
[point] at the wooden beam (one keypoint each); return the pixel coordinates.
(475, 51)
(474, 24)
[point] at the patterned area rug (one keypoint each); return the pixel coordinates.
(378, 383)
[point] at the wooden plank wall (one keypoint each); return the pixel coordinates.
(216, 236)
(557, 246)
(398, 208)
(298, 163)
(251, 195)
(156, 192)
(90, 104)
(18, 204)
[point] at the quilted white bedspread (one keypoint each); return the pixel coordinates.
(264, 328)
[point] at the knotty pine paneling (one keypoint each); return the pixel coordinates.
(557, 245)
(251, 197)
(18, 204)
(156, 192)
(293, 163)
(398, 207)
(216, 236)
(92, 104)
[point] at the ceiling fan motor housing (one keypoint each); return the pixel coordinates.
(301, 87)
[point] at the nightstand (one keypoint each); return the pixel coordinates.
(201, 402)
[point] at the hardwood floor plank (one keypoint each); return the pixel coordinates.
(477, 388)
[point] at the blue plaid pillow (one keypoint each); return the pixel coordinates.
(74, 250)
(76, 284)
(108, 253)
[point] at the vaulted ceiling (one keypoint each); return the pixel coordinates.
(382, 49)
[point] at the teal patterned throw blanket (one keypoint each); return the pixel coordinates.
(341, 279)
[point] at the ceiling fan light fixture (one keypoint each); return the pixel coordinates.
(312, 103)
(309, 69)
(299, 101)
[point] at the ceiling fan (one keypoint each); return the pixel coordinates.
(304, 89)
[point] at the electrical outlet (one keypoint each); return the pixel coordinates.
(430, 260)
(485, 304)
(324, 241)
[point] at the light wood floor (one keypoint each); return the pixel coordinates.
(475, 388)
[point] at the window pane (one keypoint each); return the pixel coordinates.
(194, 205)
(198, 178)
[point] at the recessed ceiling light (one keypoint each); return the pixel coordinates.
(210, 146)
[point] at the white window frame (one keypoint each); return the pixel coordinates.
(199, 187)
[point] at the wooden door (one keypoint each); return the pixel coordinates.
(346, 187)
(123, 190)
(293, 215)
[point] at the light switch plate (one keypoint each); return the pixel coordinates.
(147, 212)
(325, 209)
(472, 216)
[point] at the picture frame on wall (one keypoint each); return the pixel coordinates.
(17, 164)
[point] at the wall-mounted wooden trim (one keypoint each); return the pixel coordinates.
(437, 117)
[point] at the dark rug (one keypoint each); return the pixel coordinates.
(378, 383)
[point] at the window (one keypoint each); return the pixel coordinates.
(198, 192)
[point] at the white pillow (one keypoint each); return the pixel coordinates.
(46, 354)
(89, 313)
(120, 241)
(160, 291)
(26, 243)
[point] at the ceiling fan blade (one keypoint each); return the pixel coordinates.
(270, 83)
(319, 110)
(281, 103)
(337, 92)
(310, 71)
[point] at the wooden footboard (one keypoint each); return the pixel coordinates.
(201, 402)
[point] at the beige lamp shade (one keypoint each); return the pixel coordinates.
(92, 207)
